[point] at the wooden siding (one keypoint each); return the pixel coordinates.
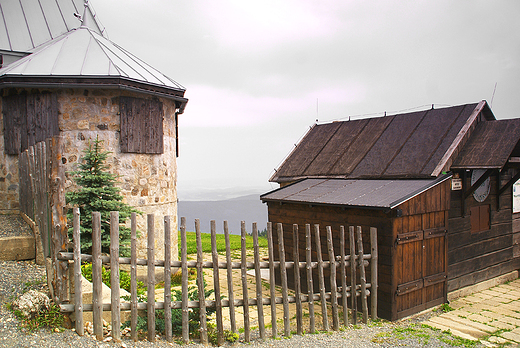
(420, 265)
(425, 213)
(477, 256)
(29, 119)
(141, 125)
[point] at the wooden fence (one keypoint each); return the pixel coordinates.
(42, 199)
(336, 297)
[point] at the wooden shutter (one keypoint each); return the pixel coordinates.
(14, 107)
(479, 218)
(141, 125)
(29, 119)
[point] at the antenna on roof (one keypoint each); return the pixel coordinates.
(493, 96)
(317, 110)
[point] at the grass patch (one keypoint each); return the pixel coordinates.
(234, 242)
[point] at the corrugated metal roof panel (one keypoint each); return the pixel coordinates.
(353, 192)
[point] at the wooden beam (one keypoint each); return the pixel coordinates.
(478, 183)
(509, 183)
(459, 141)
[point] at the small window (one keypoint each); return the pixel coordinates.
(479, 218)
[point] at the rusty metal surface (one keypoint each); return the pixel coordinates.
(352, 192)
(490, 145)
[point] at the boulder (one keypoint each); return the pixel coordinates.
(31, 303)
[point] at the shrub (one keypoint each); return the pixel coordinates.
(97, 193)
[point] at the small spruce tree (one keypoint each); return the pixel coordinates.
(97, 192)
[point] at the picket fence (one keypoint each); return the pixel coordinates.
(356, 261)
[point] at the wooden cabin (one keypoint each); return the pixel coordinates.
(62, 78)
(437, 184)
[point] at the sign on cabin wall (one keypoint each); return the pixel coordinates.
(516, 197)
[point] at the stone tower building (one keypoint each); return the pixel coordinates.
(62, 78)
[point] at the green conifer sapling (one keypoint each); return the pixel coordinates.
(97, 192)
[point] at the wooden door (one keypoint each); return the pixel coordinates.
(420, 263)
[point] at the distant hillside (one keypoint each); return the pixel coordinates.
(246, 208)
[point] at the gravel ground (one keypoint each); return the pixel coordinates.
(18, 277)
(13, 226)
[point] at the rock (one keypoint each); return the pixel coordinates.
(31, 303)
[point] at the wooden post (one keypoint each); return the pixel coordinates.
(321, 279)
(362, 276)
(200, 286)
(184, 284)
(216, 283)
(297, 285)
(115, 305)
(283, 271)
(229, 270)
(333, 284)
(272, 281)
(167, 280)
(258, 277)
(97, 292)
(343, 268)
(310, 286)
(353, 264)
(245, 291)
(151, 277)
(78, 299)
(373, 272)
(133, 276)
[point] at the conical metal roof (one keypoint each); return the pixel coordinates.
(84, 53)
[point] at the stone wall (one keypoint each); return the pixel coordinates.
(147, 182)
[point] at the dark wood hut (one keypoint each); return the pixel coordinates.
(436, 183)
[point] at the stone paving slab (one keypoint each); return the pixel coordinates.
(491, 316)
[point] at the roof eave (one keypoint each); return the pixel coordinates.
(106, 82)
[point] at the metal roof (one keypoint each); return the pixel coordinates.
(419, 144)
(26, 24)
(490, 146)
(383, 194)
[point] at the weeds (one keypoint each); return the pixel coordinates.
(51, 318)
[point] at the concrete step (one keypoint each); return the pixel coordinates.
(454, 326)
(17, 248)
(453, 331)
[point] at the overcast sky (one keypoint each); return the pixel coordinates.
(259, 73)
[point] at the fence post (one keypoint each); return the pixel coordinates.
(310, 286)
(272, 281)
(78, 300)
(216, 283)
(97, 292)
(200, 284)
(167, 280)
(245, 291)
(229, 271)
(283, 269)
(362, 276)
(151, 277)
(353, 263)
(133, 276)
(258, 277)
(321, 279)
(373, 272)
(333, 284)
(297, 285)
(184, 284)
(114, 276)
(343, 265)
